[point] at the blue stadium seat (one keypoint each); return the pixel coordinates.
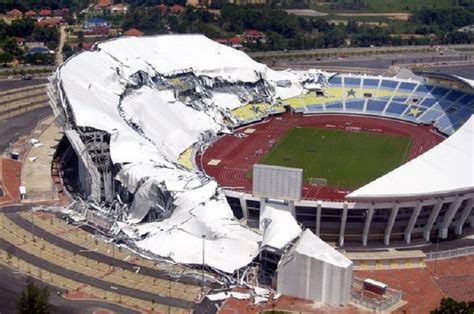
(400, 99)
(439, 92)
(315, 108)
(407, 87)
(396, 108)
(444, 103)
(389, 84)
(428, 102)
(351, 81)
(454, 95)
(430, 115)
(370, 83)
(334, 106)
(376, 105)
(423, 89)
(443, 122)
(355, 105)
(335, 80)
(466, 100)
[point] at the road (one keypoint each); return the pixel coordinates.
(154, 273)
(17, 83)
(95, 282)
(15, 127)
(14, 282)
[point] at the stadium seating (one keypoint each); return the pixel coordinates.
(408, 100)
(253, 112)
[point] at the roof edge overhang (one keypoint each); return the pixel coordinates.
(409, 197)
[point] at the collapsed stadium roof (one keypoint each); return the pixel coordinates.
(154, 97)
(122, 88)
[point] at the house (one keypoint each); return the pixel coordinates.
(134, 32)
(14, 14)
(163, 8)
(34, 44)
(235, 42)
(95, 22)
(59, 12)
(39, 50)
(20, 41)
(51, 22)
(253, 35)
(119, 8)
(103, 4)
(46, 12)
(85, 45)
(198, 3)
(30, 14)
(99, 31)
(176, 9)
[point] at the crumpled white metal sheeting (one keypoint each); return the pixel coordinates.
(150, 128)
(200, 211)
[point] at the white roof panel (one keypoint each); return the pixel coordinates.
(447, 167)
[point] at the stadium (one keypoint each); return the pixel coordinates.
(174, 143)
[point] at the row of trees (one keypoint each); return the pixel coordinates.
(25, 28)
(288, 31)
(25, 5)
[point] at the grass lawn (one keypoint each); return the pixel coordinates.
(346, 159)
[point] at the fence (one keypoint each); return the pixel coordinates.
(391, 297)
(463, 251)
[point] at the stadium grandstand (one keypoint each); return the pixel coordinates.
(168, 152)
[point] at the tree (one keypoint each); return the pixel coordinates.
(5, 57)
(451, 306)
(33, 299)
(10, 45)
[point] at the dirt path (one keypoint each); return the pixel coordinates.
(395, 16)
(62, 39)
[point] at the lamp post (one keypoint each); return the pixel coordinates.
(203, 261)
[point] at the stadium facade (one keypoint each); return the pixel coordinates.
(133, 107)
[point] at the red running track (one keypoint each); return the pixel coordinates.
(238, 154)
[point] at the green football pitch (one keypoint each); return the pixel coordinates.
(346, 159)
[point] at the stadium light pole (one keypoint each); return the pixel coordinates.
(203, 260)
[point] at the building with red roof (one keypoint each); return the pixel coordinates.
(54, 22)
(134, 32)
(176, 9)
(119, 8)
(30, 13)
(14, 14)
(99, 31)
(20, 41)
(102, 4)
(253, 35)
(46, 12)
(163, 8)
(59, 12)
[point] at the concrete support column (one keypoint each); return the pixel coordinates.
(448, 217)
(431, 220)
(318, 218)
(412, 222)
(390, 223)
(342, 230)
(291, 208)
(465, 213)
(243, 204)
(368, 221)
